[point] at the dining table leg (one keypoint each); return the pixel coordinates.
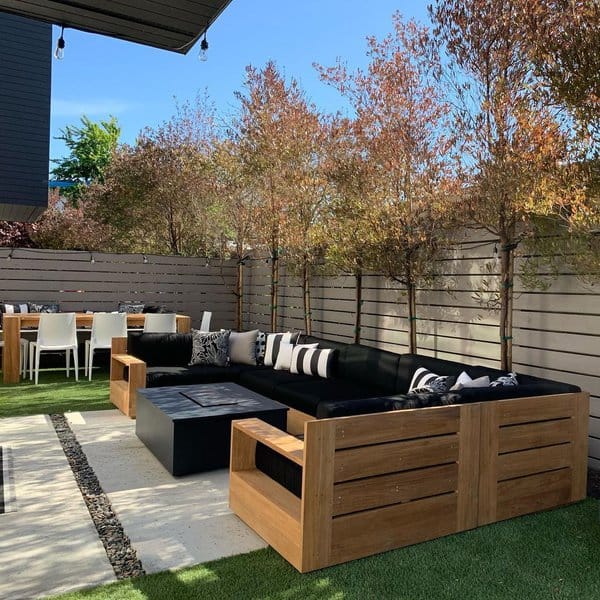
(11, 353)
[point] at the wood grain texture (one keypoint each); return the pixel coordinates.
(11, 352)
(243, 450)
(317, 494)
(123, 392)
(540, 408)
(488, 463)
(296, 420)
(361, 534)
(580, 447)
(535, 435)
(536, 460)
(270, 510)
(280, 441)
(534, 493)
(394, 426)
(393, 457)
(468, 467)
(383, 490)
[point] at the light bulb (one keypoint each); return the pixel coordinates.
(59, 53)
(203, 56)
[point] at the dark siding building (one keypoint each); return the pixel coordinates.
(25, 55)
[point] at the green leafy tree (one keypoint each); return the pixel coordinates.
(91, 146)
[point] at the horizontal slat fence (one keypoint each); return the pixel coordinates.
(186, 285)
(556, 331)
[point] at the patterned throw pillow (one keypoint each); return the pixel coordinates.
(311, 361)
(424, 381)
(210, 348)
(133, 308)
(261, 347)
(505, 380)
(13, 309)
(43, 307)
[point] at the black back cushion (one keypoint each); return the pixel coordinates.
(364, 365)
(161, 349)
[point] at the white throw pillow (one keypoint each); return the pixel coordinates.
(465, 381)
(284, 358)
(274, 340)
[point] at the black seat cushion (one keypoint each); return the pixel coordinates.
(365, 365)
(161, 349)
(163, 376)
(305, 396)
(280, 469)
(264, 380)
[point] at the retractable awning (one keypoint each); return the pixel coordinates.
(167, 24)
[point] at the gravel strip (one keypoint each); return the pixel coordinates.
(121, 554)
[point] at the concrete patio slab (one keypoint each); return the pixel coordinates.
(172, 522)
(50, 544)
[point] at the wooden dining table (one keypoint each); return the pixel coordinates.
(12, 325)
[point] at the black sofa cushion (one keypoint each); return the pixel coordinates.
(366, 366)
(306, 395)
(163, 376)
(161, 349)
(264, 380)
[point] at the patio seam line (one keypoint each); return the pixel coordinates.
(119, 549)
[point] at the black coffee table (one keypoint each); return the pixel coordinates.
(192, 433)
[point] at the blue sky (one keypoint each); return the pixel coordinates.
(100, 76)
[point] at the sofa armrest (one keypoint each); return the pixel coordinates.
(122, 389)
(118, 345)
(281, 442)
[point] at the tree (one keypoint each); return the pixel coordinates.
(239, 205)
(158, 195)
(403, 157)
(91, 147)
(268, 109)
(517, 148)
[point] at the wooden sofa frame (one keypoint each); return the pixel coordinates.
(123, 389)
(371, 483)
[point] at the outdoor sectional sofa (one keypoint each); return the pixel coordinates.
(358, 472)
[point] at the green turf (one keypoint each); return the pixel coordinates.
(55, 394)
(554, 554)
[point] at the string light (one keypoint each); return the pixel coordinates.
(203, 56)
(145, 259)
(92, 259)
(59, 53)
(9, 257)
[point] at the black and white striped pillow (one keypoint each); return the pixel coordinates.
(273, 344)
(425, 381)
(312, 361)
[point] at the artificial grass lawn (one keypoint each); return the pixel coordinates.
(554, 554)
(55, 394)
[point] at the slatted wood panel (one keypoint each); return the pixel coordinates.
(182, 284)
(556, 331)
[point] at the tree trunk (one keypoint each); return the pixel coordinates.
(306, 297)
(274, 289)
(240, 295)
(412, 318)
(358, 305)
(507, 273)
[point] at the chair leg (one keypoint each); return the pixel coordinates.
(68, 363)
(90, 363)
(75, 363)
(25, 360)
(87, 358)
(31, 349)
(37, 364)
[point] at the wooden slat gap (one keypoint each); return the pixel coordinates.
(542, 472)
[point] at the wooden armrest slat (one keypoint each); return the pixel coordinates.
(280, 441)
(127, 359)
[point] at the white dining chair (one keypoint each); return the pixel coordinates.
(205, 323)
(105, 326)
(160, 323)
(24, 355)
(56, 331)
